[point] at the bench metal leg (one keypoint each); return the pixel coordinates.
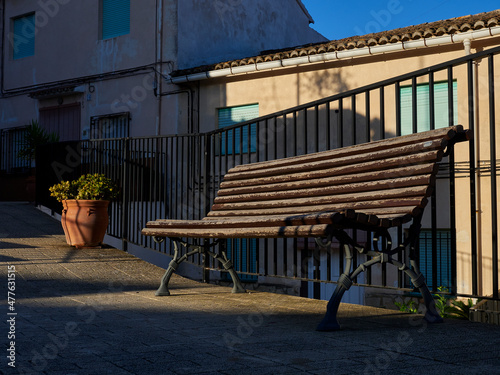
(197, 249)
(228, 266)
(418, 280)
(330, 323)
(174, 263)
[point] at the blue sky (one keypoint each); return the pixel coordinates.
(337, 19)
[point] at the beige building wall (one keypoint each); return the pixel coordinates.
(284, 88)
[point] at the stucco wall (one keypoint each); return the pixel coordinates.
(214, 31)
(284, 88)
(68, 43)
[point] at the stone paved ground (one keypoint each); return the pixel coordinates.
(95, 312)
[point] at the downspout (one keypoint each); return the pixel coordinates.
(477, 152)
(158, 62)
(189, 93)
(3, 48)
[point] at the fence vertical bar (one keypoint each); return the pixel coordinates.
(414, 106)
(207, 157)
(397, 94)
(328, 127)
(493, 168)
(472, 181)
(340, 129)
(451, 110)
(367, 116)
(316, 127)
(453, 226)
(434, 250)
(382, 112)
(125, 195)
(353, 120)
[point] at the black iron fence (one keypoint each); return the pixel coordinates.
(11, 141)
(177, 176)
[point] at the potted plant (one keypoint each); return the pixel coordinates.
(85, 208)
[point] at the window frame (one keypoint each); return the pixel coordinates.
(246, 146)
(423, 105)
(106, 34)
(17, 39)
(444, 266)
(96, 126)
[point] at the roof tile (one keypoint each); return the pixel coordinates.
(426, 30)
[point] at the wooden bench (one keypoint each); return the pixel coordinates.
(372, 186)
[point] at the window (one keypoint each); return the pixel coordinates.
(115, 18)
(242, 252)
(441, 115)
(443, 257)
(23, 36)
(10, 144)
(238, 138)
(113, 126)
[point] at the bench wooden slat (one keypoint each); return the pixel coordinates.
(396, 162)
(356, 206)
(413, 170)
(257, 221)
(318, 230)
(383, 185)
(350, 160)
(366, 196)
(444, 133)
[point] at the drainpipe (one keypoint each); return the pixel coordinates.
(158, 63)
(2, 42)
(477, 153)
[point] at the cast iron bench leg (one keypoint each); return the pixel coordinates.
(174, 263)
(198, 249)
(228, 266)
(329, 322)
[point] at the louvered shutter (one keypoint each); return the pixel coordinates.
(441, 115)
(234, 115)
(23, 43)
(115, 18)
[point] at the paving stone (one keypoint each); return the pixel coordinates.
(93, 311)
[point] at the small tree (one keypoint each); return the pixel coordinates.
(33, 137)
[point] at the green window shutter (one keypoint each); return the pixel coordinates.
(443, 257)
(115, 18)
(243, 254)
(234, 115)
(23, 42)
(423, 107)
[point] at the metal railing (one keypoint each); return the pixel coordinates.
(10, 144)
(177, 176)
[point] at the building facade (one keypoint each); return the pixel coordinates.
(121, 68)
(98, 68)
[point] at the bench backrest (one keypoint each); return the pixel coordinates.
(383, 183)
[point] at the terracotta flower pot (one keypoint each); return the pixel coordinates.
(84, 222)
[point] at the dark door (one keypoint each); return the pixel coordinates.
(64, 120)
